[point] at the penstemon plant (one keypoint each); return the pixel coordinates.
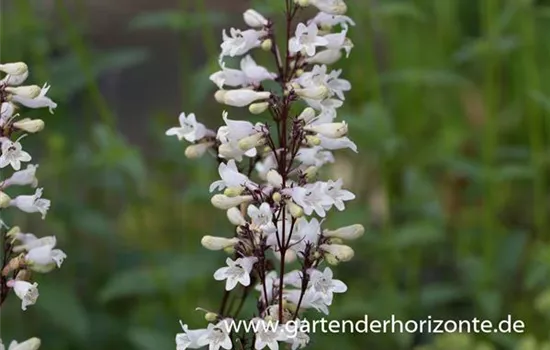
(269, 177)
(23, 253)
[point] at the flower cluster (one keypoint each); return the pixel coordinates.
(23, 253)
(269, 175)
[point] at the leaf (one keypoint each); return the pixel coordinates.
(66, 311)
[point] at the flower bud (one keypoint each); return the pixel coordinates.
(319, 92)
(267, 45)
(225, 150)
(244, 97)
(276, 197)
(307, 114)
(252, 141)
(29, 91)
(330, 130)
(210, 317)
(302, 3)
(197, 150)
(299, 72)
(14, 264)
(229, 250)
(13, 232)
(218, 243)
(311, 173)
(224, 202)
(16, 68)
(335, 253)
(346, 232)
(258, 108)
(333, 7)
(254, 19)
(295, 210)
(327, 57)
(4, 200)
(220, 95)
(233, 191)
(312, 140)
(235, 216)
(274, 178)
(30, 125)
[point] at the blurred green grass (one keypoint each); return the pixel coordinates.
(450, 109)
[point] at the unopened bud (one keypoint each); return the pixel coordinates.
(29, 344)
(218, 243)
(276, 197)
(28, 91)
(337, 252)
(229, 250)
(333, 7)
(16, 68)
(313, 140)
(258, 108)
(302, 3)
(13, 232)
(348, 232)
(254, 19)
(330, 130)
(295, 210)
(327, 57)
(235, 217)
(210, 317)
(224, 202)
(244, 97)
(307, 115)
(252, 141)
(311, 173)
(197, 150)
(299, 72)
(233, 191)
(14, 264)
(274, 178)
(30, 125)
(4, 200)
(267, 45)
(220, 95)
(318, 92)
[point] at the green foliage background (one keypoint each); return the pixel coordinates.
(450, 110)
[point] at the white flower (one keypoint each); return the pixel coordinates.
(337, 85)
(347, 232)
(254, 19)
(339, 143)
(306, 39)
(334, 191)
(311, 198)
(45, 257)
(23, 177)
(28, 293)
(32, 203)
(339, 41)
(325, 285)
(271, 282)
(189, 128)
(239, 42)
(15, 68)
(315, 156)
(230, 135)
(267, 334)
(262, 218)
(27, 91)
(306, 232)
(29, 344)
(6, 112)
(30, 241)
(216, 336)
(311, 299)
(13, 154)
(295, 336)
(235, 217)
(235, 272)
(323, 19)
(39, 101)
(230, 177)
(224, 202)
(334, 7)
(328, 56)
(337, 252)
(254, 73)
(189, 338)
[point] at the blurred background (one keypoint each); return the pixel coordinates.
(450, 109)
